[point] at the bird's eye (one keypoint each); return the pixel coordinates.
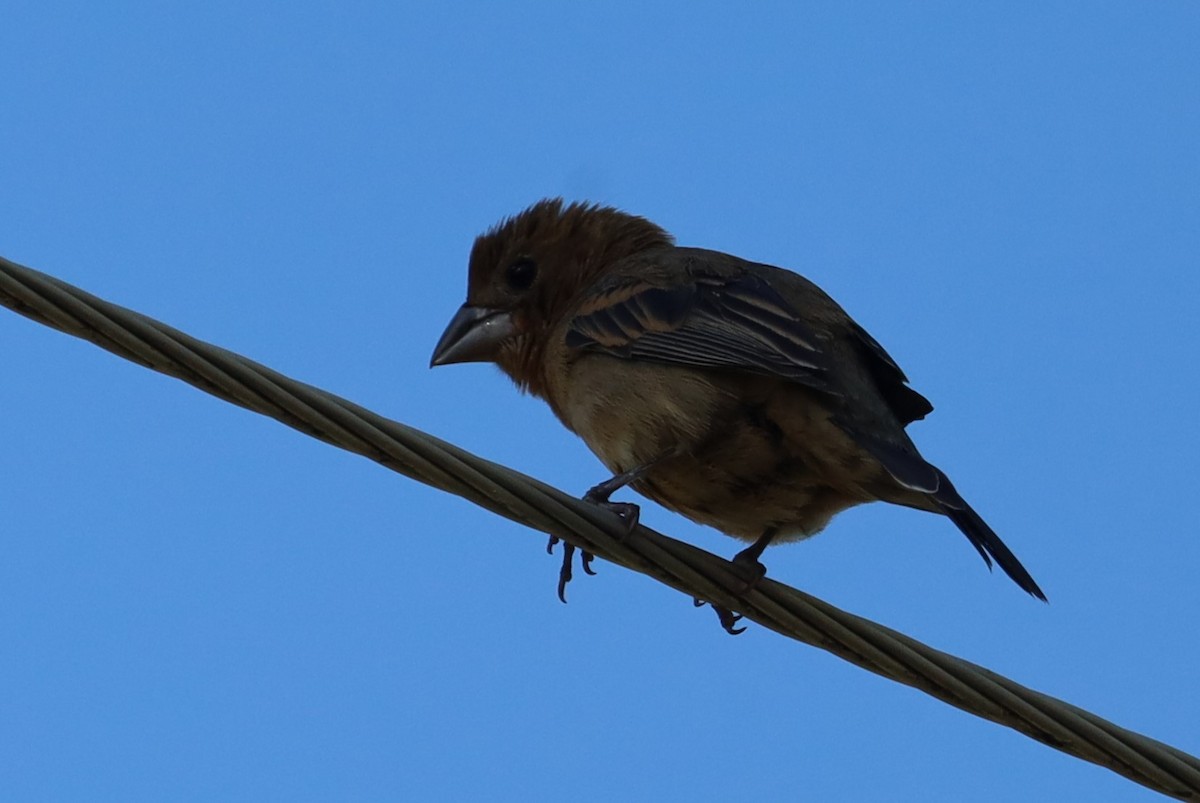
(520, 274)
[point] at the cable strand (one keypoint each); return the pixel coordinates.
(520, 498)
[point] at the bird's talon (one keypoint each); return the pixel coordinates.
(554, 539)
(564, 573)
(728, 620)
(628, 511)
(727, 617)
(599, 494)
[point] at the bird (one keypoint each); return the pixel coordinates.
(735, 393)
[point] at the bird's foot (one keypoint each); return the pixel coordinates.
(564, 573)
(727, 617)
(748, 567)
(598, 496)
(628, 511)
(750, 570)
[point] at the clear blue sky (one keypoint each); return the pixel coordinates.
(197, 603)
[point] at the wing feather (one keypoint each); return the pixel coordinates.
(738, 323)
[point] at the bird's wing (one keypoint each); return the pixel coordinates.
(906, 404)
(734, 322)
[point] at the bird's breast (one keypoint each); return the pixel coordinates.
(737, 452)
(631, 413)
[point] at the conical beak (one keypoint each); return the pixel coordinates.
(474, 335)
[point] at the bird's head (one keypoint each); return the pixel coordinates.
(526, 273)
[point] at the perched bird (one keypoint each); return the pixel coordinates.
(736, 393)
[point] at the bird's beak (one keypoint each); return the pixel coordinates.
(474, 335)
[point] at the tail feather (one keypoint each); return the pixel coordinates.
(924, 486)
(981, 536)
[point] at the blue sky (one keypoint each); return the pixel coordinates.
(197, 603)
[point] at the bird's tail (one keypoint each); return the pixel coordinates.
(981, 536)
(924, 486)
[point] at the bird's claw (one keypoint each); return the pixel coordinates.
(628, 511)
(728, 618)
(565, 571)
(751, 571)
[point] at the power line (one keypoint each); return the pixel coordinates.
(693, 571)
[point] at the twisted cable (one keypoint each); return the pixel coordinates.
(515, 496)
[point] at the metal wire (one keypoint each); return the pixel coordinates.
(515, 496)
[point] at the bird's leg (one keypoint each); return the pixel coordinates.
(747, 561)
